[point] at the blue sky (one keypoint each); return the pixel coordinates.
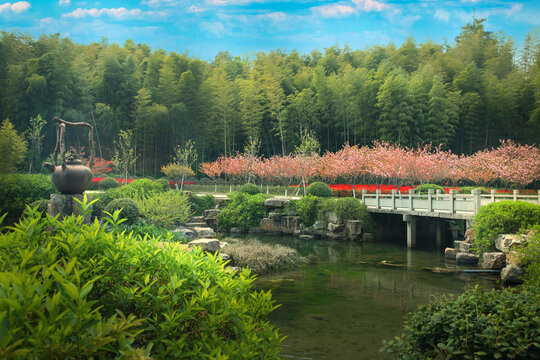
(204, 27)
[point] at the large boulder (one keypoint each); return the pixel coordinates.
(270, 225)
(333, 227)
(187, 233)
(503, 241)
(276, 203)
(204, 232)
(469, 236)
(462, 246)
(210, 213)
(512, 258)
(463, 258)
(512, 275)
(450, 253)
(290, 223)
(208, 245)
(332, 217)
(493, 260)
(353, 227)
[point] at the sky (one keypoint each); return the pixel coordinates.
(203, 28)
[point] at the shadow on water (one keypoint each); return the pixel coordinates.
(352, 295)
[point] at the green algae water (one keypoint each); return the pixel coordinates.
(352, 295)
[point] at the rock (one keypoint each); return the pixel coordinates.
(512, 258)
(332, 217)
(321, 233)
(275, 216)
(335, 227)
(188, 233)
(268, 224)
(196, 224)
(353, 227)
(512, 275)
(463, 258)
(518, 242)
(65, 205)
(212, 223)
(493, 260)
(319, 225)
(210, 213)
(236, 230)
(277, 202)
(221, 202)
(503, 241)
(234, 270)
(223, 244)
(368, 237)
(196, 219)
(297, 232)
(224, 257)
(462, 246)
(305, 237)
(469, 236)
(450, 253)
(290, 223)
(203, 232)
(255, 230)
(334, 236)
(208, 245)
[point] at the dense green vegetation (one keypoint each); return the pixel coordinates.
(108, 183)
(347, 209)
(478, 324)
(465, 96)
(505, 217)
(243, 211)
(201, 203)
(127, 207)
(423, 189)
(319, 189)
(72, 290)
(529, 257)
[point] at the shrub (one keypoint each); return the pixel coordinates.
(250, 189)
(348, 209)
(142, 230)
(261, 258)
(529, 256)
(71, 290)
(18, 190)
(41, 204)
(167, 209)
(476, 325)
(423, 189)
(130, 210)
(320, 189)
(307, 208)
(164, 183)
(201, 203)
(108, 183)
(244, 211)
(469, 189)
(505, 217)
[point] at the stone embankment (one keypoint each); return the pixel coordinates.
(505, 259)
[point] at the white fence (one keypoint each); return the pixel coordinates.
(438, 204)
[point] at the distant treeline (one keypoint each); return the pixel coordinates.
(464, 96)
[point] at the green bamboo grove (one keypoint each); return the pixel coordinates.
(465, 96)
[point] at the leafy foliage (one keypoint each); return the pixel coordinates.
(469, 189)
(201, 203)
(496, 324)
(529, 256)
(17, 190)
(307, 208)
(128, 209)
(250, 189)
(164, 182)
(505, 217)
(71, 290)
(319, 189)
(244, 211)
(12, 148)
(261, 258)
(423, 189)
(108, 183)
(348, 209)
(144, 231)
(166, 209)
(40, 205)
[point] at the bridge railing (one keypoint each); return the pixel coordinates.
(437, 202)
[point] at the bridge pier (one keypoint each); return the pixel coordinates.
(439, 232)
(411, 230)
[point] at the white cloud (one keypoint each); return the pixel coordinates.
(196, 9)
(334, 10)
(275, 16)
(118, 13)
(160, 2)
(17, 7)
(63, 2)
(442, 15)
(231, 2)
(215, 27)
(371, 5)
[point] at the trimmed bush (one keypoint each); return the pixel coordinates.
(423, 189)
(244, 211)
(469, 189)
(476, 325)
(250, 189)
(18, 190)
(108, 183)
(347, 209)
(130, 210)
(167, 209)
(307, 208)
(164, 183)
(70, 290)
(201, 203)
(261, 258)
(320, 189)
(505, 217)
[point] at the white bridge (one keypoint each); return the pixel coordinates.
(436, 205)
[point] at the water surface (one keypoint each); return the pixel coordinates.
(342, 304)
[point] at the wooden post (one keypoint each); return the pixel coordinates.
(430, 200)
(477, 200)
(394, 199)
(378, 197)
(411, 193)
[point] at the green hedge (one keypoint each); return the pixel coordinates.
(77, 291)
(307, 208)
(476, 325)
(128, 208)
(505, 217)
(320, 189)
(108, 183)
(423, 189)
(244, 211)
(250, 189)
(201, 203)
(19, 190)
(348, 209)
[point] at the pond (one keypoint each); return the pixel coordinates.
(353, 295)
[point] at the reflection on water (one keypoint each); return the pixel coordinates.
(353, 295)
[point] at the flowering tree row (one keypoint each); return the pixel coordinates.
(509, 165)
